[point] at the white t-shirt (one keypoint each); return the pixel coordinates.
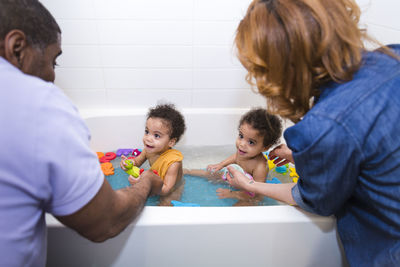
(46, 164)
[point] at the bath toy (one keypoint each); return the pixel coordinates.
(107, 168)
(124, 151)
(274, 181)
(100, 154)
(131, 169)
(295, 179)
(282, 169)
(109, 156)
(176, 203)
(293, 172)
(136, 152)
(271, 165)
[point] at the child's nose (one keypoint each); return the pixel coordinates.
(242, 143)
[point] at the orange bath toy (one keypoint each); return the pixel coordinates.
(107, 168)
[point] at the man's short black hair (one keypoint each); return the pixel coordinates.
(32, 18)
(174, 119)
(269, 126)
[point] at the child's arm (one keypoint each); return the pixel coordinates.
(219, 166)
(139, 160)
(260, 172)
(171, 177)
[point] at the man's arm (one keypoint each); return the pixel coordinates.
(109, 212)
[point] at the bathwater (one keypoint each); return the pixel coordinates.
(198, 190)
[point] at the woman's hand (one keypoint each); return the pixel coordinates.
(239, 180)
(281, 155)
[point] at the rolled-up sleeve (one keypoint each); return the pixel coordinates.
(327, 159)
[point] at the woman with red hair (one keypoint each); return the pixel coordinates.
(308, 59)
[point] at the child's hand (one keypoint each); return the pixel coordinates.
(122, 163)
(224, 193)
(214, 167)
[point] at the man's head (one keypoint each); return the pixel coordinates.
(30, 38)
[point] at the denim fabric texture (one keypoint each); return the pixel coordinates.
(347, 153)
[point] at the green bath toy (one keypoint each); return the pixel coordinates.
(131, 169)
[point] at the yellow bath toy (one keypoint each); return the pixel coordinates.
(271, 164)
(293, 172)
(131, 169)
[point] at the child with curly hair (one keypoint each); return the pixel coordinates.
(164, 127)
(258, 131)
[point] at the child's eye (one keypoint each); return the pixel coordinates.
(146, 131)
(157, 136)
(240, 136)
(251, 142)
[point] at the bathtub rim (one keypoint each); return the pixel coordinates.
(156, 216)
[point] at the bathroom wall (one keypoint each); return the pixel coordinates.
(134, 53)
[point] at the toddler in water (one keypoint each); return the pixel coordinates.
(164, 127)
(258, 131)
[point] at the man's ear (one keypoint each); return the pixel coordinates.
(172, 142)
(15, 45)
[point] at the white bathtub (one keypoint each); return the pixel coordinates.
(196, 236)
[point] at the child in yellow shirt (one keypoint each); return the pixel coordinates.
(164, 127)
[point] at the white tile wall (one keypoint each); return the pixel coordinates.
(134, 53)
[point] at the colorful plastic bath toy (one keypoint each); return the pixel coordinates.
(136, 152)
(282, 169)
(132, 169)
(176, 203)
(109, 156)
(100, 154)
(293, 172)
(124, 151)
(274, 181)
(271, 165)
(107, 168)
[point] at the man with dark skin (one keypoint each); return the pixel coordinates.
(30, 42)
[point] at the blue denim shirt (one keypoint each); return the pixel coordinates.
(347, 153)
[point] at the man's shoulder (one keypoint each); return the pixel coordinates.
(14, 80)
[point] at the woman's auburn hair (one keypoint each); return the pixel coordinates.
(292, 47)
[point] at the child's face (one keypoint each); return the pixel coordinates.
(156, 136)
(249, 142)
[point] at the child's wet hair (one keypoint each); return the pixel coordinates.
(172, 117)
(269, 126)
